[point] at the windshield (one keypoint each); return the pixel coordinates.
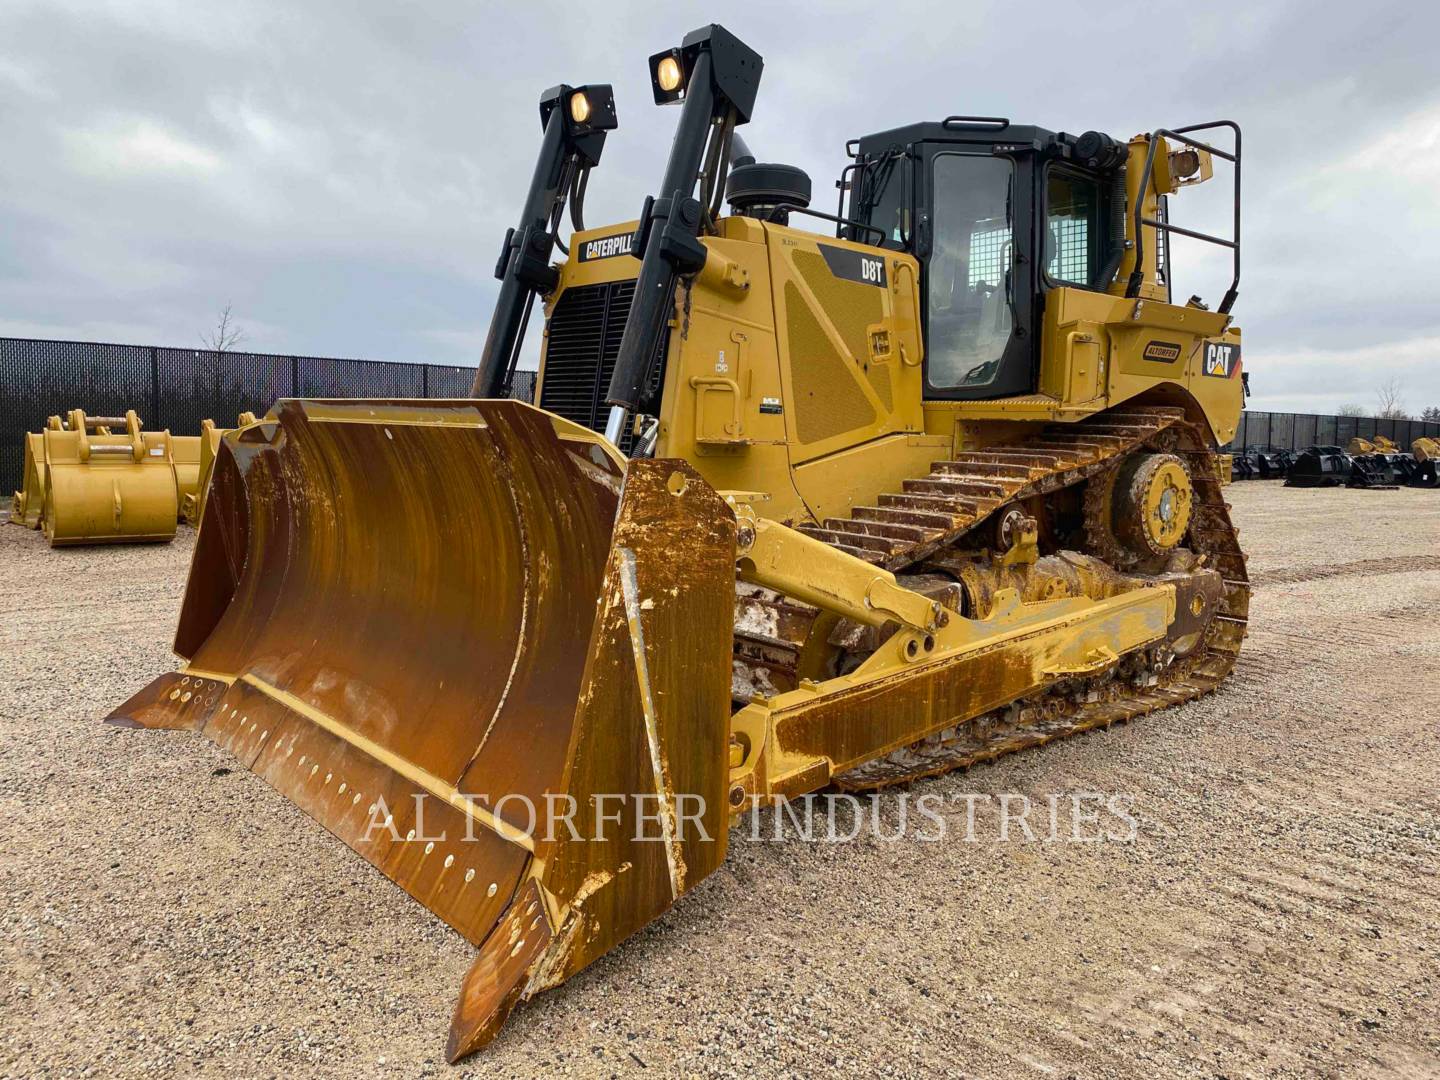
(970, 319)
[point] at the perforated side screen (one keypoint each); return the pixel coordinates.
(827, 397)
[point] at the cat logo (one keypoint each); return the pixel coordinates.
(1165, 352)
(607, 247)
(1222, 359)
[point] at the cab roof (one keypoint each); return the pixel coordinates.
(958, 129)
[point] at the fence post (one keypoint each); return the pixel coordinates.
(155, 389)
(294, 376)
(425, 380)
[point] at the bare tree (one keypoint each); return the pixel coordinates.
(1350, 410)
(219, 342)
(225, 336)
(1388, 394)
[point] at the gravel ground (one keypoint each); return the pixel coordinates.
(1277, 912)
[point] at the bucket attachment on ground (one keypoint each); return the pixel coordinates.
(482, 618)
(1370, 471)
(1271, 463)
(1319, 466)
(1225, 468)
(193, 504)
(1427, 462)
(29, 502)
(187, 452)
(1380, 463)
(108, 488)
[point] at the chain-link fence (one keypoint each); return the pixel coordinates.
(177, 388)
(1295, 431)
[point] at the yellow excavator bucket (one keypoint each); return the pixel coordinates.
(192, 505)
(29, 501)
(187, 452)
(107, 488)
(485, 652)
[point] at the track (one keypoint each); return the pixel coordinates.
(946, 508)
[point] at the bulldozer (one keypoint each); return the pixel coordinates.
(796, 508)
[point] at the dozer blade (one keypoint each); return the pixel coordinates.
(485, 652)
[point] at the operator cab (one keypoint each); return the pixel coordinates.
(997, 214)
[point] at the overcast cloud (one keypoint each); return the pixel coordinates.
(342, 172)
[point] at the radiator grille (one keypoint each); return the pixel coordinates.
(580, 351)
(585, 330)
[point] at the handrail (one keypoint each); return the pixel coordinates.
(954, 123)
(1137, 276)
(798, 208)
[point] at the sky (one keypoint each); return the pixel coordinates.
(341, 172)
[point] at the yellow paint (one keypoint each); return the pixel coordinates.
(784, 378)
(108, 488)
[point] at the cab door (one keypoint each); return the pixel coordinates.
(978, 283)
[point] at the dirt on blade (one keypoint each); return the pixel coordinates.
(1277, 913)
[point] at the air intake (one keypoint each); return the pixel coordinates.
(581, 346)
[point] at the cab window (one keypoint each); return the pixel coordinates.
(971, 317)
(1072, 228)
(882, 198)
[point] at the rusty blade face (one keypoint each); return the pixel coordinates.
(389, 608)
(647, 768)
(423, 621)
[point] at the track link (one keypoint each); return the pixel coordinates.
(958, 497)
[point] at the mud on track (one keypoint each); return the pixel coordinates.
(1278, 912)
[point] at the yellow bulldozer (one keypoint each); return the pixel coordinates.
(929, 481)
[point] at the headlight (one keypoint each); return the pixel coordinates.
(1184, 164)
(667, 76)
(579, 107)
(667, 73)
